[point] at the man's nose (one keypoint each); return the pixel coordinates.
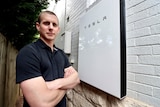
(50, 26)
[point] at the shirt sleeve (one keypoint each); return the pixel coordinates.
(27, 64)
(67, 63)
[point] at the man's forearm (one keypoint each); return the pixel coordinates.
(38, 94)
(60, 94)
(64, 83)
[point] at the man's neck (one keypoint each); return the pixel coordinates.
(48, 43)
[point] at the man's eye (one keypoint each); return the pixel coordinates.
(47, 23)
(54, 24)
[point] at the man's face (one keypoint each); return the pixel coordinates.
(48, 27)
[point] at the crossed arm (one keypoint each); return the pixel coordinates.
(39, 93)
(69, 81)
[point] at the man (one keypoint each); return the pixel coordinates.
(43, 70)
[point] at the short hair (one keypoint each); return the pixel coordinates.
(45, 11)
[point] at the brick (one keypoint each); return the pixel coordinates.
(141, 69)
(130, 42)
(150, 60)
(132, 3)
(156, 92)
(148, 80)
(155, 102)
(145, 89)
(130, 76)
(155, 29)
(132, 59)
(148, 22)
(142, 50)
(131, 93)
(157, 70)
(154, 10)
(138, 16)
(129, 26)
(148, 40)
(139, 32)
(142, 6)
(156, 49)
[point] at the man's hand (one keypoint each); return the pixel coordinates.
(69, 81)
(69, 71)
(71, 75)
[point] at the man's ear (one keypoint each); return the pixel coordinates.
(37, 26)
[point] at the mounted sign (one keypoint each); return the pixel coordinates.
(102, 47)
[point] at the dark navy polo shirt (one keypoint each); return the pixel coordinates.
(37, 59)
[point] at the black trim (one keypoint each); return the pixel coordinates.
(123, 47)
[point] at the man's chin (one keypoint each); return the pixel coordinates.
(50, 38)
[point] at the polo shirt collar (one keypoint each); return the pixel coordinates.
(43, 45)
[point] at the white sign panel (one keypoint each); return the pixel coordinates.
(102, 51)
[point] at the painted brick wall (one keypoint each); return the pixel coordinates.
(143, 50)
(73, 13)
(143, 55)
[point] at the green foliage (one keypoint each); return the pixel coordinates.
(17, 20)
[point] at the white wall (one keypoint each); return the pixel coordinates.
(143, 45)
(143, 49)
